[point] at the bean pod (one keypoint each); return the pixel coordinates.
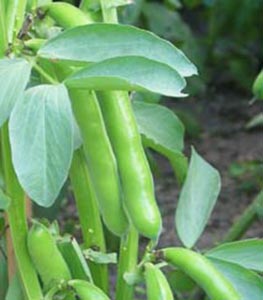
(46, 257)
(156, 284)
(100, 158)
(66, 15)
(136, 177)
(203, 272)
(86, 290)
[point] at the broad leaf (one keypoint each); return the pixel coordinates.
(248, 284)
(163, 132)
(41, 135)
(247, 253)
(100, 257)
(97, 42)
(131, 74)
(4, 200)
(197, 199)
(160, 125)
(14, 75)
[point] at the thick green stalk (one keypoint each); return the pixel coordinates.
(109, 13)
(129, 244)
(11, 11)
(3, 33)
(90, 221)
(16, 215)
(127, 263)
(245, 220)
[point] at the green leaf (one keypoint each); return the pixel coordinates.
(131, 74)
(180, 282)
(197, 199)
(14, 75)
(256, 121)
(3, 276)
(258, 86)
(100, 257)
(160, 125)
(248, 284)
(247, 253)
(15, 290)
(4, 200)
(41, 135)
(97, 42)
(163, 132)
(74, 258)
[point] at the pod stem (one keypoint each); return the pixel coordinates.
(109, 12)
(127, 263)
(3, 32)
(247, 218)
(90, 221)
(17, 221)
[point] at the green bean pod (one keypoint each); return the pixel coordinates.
(136, 177)
(66, 15)
(100, 159)
(87, 291)
(46, 257)
(202, 271)
(157, 285)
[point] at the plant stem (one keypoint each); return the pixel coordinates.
(3, 33)
(245, 220)
(109, 13)
(44, 74)
(90, 221)
(17, 222)
(127, 263)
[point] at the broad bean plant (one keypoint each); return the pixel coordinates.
(68, 76)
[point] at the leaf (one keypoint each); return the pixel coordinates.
(258, 86)
(14, 75)
(163, 132)
(4, 200)
(131, 74)
(256, 121)
(15, 290)
(100, 257)
(72, 253)
(41, 136)
(97, 42)
(116, 3)
(197, 199)
(160, 125)
(247, 253)
(248, 284)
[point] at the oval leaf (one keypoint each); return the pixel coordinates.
(4, 200)
(160, 125)
(247, 253)
(41, 136)
(248, 284)
(14, 75)
(163, 132)
(197, 199)
(97, 42)
(131, 74)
